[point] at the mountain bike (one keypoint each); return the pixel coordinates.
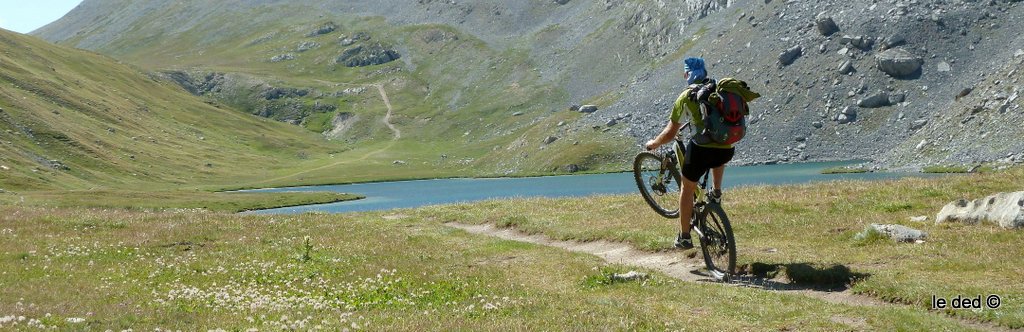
(659, 179)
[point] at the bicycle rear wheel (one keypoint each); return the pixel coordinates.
(718, 243)
(659, 186)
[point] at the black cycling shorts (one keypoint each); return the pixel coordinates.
(698, 160)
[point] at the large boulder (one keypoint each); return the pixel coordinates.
(847, 115)
(588, 109)
(826, 26)
(898, 233)
(1003, 209)
(789, 56)
(899, 63)
(880, 99)
(846, 67)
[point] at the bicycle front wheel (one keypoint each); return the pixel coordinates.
(658, 183)
(718, 243)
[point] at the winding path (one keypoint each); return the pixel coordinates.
(387, 122)
(387, 117)
(689, 270)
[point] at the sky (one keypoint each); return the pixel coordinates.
(24, 16)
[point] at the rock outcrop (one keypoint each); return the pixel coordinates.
(341, 124)
(362, 56)
(324, 29)
(306, 46)
(1003, 209)
(283, 57)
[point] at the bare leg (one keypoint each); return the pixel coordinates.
(686, 204)
(718, 173)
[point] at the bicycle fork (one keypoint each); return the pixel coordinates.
(663, 181)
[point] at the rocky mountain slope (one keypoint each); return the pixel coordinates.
(841, 80)
(74, 119)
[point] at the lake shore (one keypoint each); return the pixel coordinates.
(415, 193)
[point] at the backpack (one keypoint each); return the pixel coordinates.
(723, 113)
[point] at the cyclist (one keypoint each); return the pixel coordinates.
(699, 158)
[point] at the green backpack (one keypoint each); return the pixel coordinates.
(723, 112)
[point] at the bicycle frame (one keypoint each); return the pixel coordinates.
(699, 201)
(700, 192)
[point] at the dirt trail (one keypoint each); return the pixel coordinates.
(387, 117)
(387, 122)
(688, 269)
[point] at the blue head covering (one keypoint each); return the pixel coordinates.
(696, 68)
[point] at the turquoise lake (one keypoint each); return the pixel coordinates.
(409, 194)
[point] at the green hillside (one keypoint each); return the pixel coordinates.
(73, 119)
(465, 106)
(481, 106)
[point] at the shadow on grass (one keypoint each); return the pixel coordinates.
(796, 276)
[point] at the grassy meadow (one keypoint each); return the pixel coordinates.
(806, 233)
(163, 200)
(90, 268)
